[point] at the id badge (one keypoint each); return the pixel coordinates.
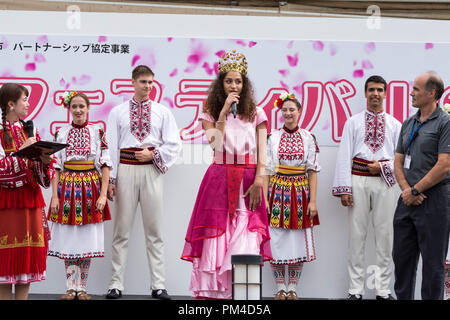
(407, 162)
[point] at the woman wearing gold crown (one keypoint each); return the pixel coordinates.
(292, 161)
(229, 215)
(78, 207)
(23, 232)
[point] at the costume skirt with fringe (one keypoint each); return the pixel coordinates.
(23, 246)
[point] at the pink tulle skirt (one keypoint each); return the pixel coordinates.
(211, 273)
(214, 235)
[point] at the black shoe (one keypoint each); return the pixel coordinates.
(161, 294)
(354, 297)
(114, 294)
(388, 297)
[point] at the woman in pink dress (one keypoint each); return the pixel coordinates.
(229, 215)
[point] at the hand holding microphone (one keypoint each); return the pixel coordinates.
(234, 109)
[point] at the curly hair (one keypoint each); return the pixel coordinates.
(216, 98)
(9, 92)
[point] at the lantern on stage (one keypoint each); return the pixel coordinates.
(247, 276)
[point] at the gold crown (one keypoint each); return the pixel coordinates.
(233, 61)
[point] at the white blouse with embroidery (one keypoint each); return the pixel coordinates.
(143, 125)
(297, 149)
(86, 142)
(367, 136)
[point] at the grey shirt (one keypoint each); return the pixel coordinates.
(432, 139)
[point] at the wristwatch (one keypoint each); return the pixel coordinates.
(414, 191)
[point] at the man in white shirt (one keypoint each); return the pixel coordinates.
(364, 180)
(144, 142)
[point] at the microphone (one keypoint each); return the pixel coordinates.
(29, 127)
(234, 109)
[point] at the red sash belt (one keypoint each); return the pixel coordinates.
(235, 173)
(360, 168)
(127, 156)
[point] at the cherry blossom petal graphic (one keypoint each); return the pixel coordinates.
(30, 66)
(298, 89)
(284, 85)
(333, 49)
(42, 40)
(293, 60)
(366, 64)
(169, 101)
(284, 72)
(369, 47)
(318, 45)
(429, 46)
(193, 58)
(220, 53)
(359, 73)
(39, 57)
(102, 39)
(135, 58)
(252, 44)
(174, 72)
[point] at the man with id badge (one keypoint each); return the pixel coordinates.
(422, 217)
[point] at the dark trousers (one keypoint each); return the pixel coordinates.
(423, 230)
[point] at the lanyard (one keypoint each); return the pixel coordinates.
(413, 134)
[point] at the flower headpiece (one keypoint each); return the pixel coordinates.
(447, 107)
(233, 61)
(283, 97)
(67, 96)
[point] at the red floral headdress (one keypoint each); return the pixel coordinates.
(283, 97)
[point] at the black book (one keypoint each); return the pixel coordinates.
(39, 148)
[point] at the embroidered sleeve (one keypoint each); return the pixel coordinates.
(341, 190)
(387, 172)
(312, 155)
(315, 143)
(42, 173)
(13, 172)
(102, 153)
(167, 153)
(157, 160)
(102, 136)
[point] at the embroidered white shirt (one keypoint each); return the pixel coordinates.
(143, 125)
(297, 149)
(368, 136)
(86, 142)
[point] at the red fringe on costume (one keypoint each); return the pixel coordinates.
(24, 260)
(19, 198)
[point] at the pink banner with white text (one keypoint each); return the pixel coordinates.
(327, 77)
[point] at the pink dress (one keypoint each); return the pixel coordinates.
(221, 224)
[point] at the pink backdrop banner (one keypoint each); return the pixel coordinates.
(327, 77)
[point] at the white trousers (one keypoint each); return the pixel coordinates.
(373, 202)
(138, 184)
